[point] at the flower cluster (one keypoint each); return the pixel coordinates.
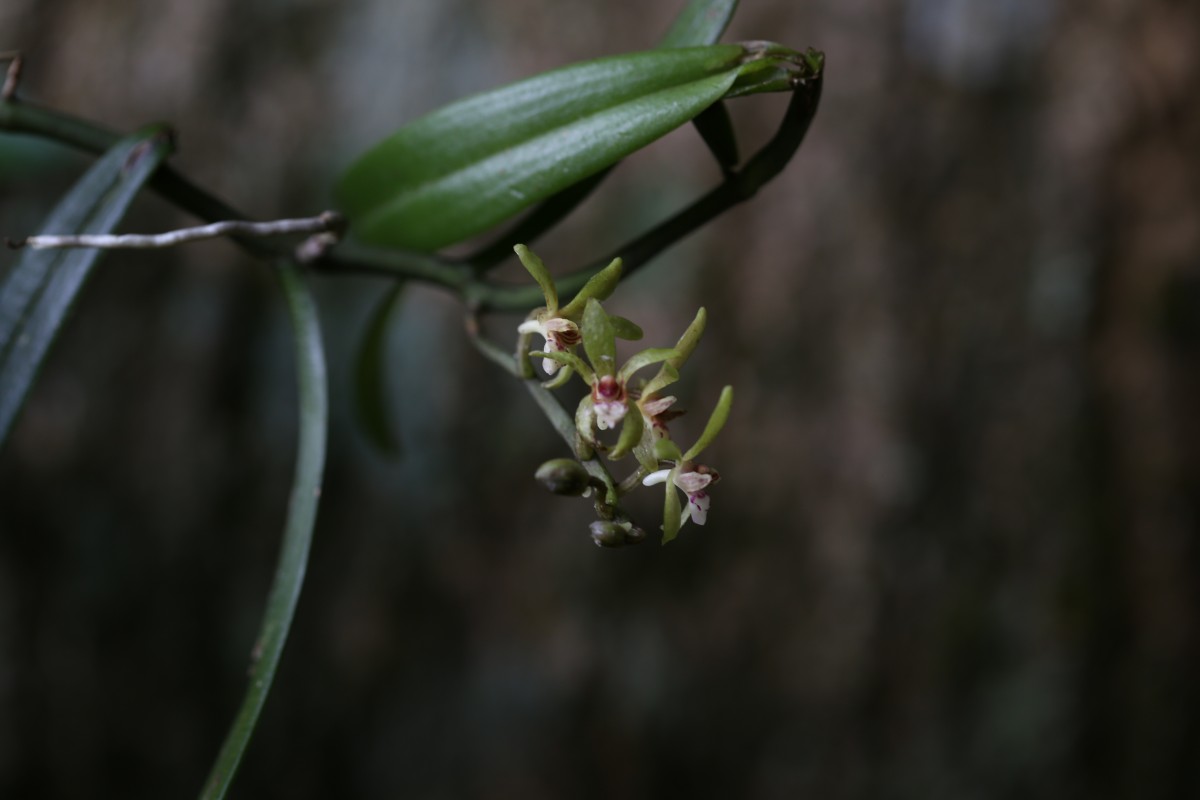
(616, 401)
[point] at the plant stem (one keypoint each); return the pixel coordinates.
(297, 536)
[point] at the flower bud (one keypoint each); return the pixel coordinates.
(607, 534)
(563, 476)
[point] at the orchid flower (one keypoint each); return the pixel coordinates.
(687, 476)
(559, 326)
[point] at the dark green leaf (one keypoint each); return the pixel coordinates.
(277, 619)
(43, 285)
(470, 165)
(373, 404)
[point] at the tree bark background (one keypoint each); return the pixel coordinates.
(954, 552)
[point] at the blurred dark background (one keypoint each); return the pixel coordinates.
(954, 553)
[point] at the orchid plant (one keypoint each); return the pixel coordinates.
(525, 156)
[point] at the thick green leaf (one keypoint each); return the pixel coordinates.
(466, 167)
(313, 395)
(43, 285)
(701, 22)
(715, 423)
(373, 406)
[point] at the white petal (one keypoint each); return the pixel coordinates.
(657, 477)
(550, 365)
(609, 415)
(658, 405)
(531, 326)
(692, 482)
(697, 506)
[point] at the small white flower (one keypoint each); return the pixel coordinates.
(560, 334)
(610, 401)
(692, 483)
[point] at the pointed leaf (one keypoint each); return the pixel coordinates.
(715, 423)
(598, 339)
(598, 287)
(538, 270)
(373, 405)
(645, 358)
(42, 287)
(671, 512)
(701, 22)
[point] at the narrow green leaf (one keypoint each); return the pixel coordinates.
(599, 341)
(373, 404)
(534, 266)
(645, 358)
(631, 434)
(715, 423)
(700, 22)
(598, 287)
(626, 329)
(466, 167)
(671, 511)
(297, 533)
(42, 287)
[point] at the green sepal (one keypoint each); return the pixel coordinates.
(585, 423)
(598, 287)
(631, 434)
(599, 341)
(644, 450)
(671, 511)
(645, 358)
(534, 266)
(667, 450)
(665, 377)
(567, 360)
(560, 378)
(715, 422)
(690, 338)
(625, 329)
(683, 348)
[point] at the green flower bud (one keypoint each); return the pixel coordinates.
(607, 534)
(563, 476)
